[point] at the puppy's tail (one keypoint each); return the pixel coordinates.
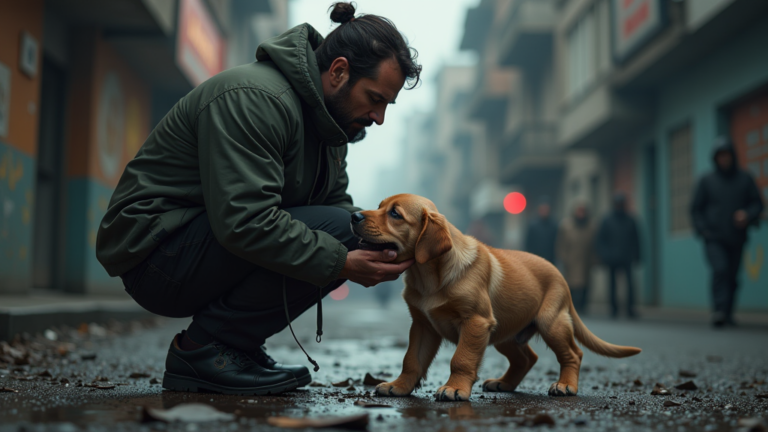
(597, 345)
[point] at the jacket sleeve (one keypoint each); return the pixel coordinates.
(754, 205)
(241, 139)
(338, 196)
(698, 209)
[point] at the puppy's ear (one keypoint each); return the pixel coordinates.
(434, 240)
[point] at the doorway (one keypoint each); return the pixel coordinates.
(49, 217)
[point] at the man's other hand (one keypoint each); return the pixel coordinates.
(741, 219)
(369, 268)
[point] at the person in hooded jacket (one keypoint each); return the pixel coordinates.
(575, 251)
(542, 232)
(618, 246)
(726, 202)
(235, 210)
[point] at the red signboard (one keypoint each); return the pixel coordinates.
(199, 45)
(634, 22)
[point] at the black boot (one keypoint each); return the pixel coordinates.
(301, 373)
(221, 369)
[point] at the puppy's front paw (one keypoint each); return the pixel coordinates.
(392, 389)
(562, 389)
(448, 393)
(494, 385)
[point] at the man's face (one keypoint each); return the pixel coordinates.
(355, 107)
(724, 160)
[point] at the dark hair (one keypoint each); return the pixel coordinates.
(366, 41)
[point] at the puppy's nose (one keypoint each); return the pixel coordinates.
(357, 217)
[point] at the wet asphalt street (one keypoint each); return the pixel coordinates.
(729, 368)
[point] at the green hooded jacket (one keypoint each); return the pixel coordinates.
(244, 145)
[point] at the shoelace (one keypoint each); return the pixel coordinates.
(236, 356)
(319, 322)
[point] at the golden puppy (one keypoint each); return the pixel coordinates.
(474, 295)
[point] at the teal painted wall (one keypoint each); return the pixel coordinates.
(17, 172)
(696, 96)
(87, 202)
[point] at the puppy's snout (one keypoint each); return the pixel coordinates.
(357, 217)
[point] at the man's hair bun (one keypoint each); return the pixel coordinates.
(342, 12)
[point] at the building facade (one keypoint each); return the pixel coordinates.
(628, 96)
(81, 86)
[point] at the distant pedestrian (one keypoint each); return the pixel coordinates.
(725, 204)
(541, 234)
(575, 251)
(618, 247)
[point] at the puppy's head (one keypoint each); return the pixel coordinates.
(408, 224)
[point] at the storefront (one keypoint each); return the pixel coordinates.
(721, 94)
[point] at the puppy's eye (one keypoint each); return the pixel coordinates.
(395, 214)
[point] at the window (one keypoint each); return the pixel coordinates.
(680, 178)
(588, 48)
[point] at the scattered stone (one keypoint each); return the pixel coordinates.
(671, 403)
(345, 383)
(695, 399)
(380, 418)
(660, 390)
(369, 380)
(8, 390)
(688, 385)
(637, 382)
(356, 422)
(762, 396)
(543, 419)
(631, 402)
(139, 375)
(365, 404)
(189, 413)
(154, 381)
(687, 374)
(45, 374)
(88, 356)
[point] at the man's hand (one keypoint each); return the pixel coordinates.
(740, 218)
(369, 268)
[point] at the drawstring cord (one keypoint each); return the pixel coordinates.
(319, 336)
(319, 322)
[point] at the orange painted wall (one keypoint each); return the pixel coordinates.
(94, 68)
(15, 17)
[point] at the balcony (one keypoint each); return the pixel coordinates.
(531, 152)
(527, 40)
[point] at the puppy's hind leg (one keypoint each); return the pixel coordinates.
(557, 332)
(521, 359)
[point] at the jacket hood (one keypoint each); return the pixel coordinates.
(293, 52)
(724, 146)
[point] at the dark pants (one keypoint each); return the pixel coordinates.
(233, 300)
(724, 262)
(627, 270)
(579, 297)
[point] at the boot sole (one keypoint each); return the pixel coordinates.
(189, 384)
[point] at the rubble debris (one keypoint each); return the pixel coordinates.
(688, 385)
(369, 380)
(317, 384)
(345, 383)
(154, 381)
(543, 419)
(8, 390)
(671, 403)
(687, 374)
(637, 382)
(356, 422)
(660, 390)
(366, 404)
(139, 375)
(188, 413)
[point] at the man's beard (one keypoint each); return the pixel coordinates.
(336, 105)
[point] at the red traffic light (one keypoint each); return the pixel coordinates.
(514, 202)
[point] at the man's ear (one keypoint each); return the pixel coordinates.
(434, 240)
(338, 73)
